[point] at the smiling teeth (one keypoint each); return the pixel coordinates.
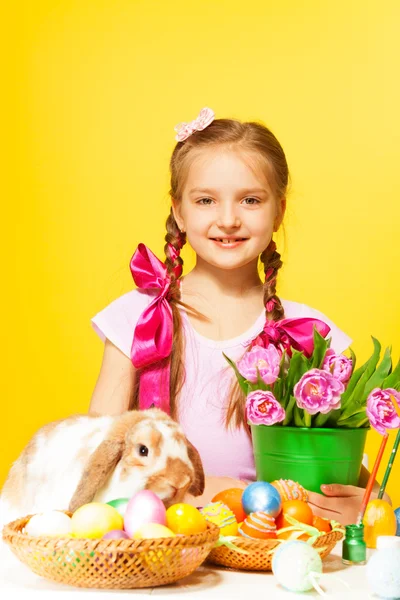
(228, 241)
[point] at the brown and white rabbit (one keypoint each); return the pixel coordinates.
(86, 458)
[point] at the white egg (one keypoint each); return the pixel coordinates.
(51, 523)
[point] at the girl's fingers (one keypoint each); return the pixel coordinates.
(321, 501)
(326, 514)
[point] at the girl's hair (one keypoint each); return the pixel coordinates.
(255, 140)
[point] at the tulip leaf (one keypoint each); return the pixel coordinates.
(320, 347)
(355, 421)
(380, 374)
(334, 417)
(320, 419)
(241, 380)
(360, 377)
(289, 411)
(393, 379)
(261, 385)
(353, 361)
(298, 416)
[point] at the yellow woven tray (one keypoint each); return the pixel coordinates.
(110, 563)
(259, 553)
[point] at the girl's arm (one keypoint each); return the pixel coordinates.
(114, 387)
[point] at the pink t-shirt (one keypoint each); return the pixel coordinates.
(203, 399)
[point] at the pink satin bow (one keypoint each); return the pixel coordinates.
(295, 333)
(152, 340)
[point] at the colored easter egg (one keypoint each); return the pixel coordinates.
(292, 564)
(258, 525)
(94, 519)
(298, 509)
(261, 496)
(185, 519)
(383, 573)
(143, 507)
(221, 515)
(51, 524)
(116, 534)
(321, 524)
(397, 515)
(152, 530)
(232, 498)
(120, 505)
(290, 490)
(379, 519)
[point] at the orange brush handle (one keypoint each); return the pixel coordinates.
(371, 479)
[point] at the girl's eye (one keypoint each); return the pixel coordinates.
(205, 201)
(251, 201)
(143, 450)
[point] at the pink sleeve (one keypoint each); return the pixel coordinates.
(118, 320)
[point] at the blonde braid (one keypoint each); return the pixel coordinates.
(175, 240)
(271, 260)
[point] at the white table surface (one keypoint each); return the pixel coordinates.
(207, 582)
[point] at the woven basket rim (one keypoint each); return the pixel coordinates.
(251, 544)
(13, 531)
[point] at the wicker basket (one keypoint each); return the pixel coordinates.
(102, 563)
(259, 553)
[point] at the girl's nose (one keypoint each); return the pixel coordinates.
(228, 218)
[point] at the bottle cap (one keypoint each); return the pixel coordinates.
(387, 541)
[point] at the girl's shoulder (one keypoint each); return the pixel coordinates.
(118, 320)
(340, 340)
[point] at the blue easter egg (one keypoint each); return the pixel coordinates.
(261, 496)
(397, 513)
(383, 573)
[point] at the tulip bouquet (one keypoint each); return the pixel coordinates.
(309, 385)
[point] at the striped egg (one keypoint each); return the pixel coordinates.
(290, 490)
(258, 525)
(221, 515)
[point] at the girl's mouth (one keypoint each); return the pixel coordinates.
(229, 242)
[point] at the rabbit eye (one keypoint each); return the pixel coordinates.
(143, 450)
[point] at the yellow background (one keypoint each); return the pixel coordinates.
(95, 89)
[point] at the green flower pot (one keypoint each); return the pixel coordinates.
(311, 456)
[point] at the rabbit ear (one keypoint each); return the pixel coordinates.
(98, 469)
(197, 487)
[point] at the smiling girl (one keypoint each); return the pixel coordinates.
(164, 342)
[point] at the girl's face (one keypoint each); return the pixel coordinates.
(228, 210)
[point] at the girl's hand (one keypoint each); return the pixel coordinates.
(340, 502)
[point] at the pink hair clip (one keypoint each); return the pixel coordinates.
(184, 130)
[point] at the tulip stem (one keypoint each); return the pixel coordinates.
(307, 419)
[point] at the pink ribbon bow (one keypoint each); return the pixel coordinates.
(295, 333)
(152, 340)
(184, 130)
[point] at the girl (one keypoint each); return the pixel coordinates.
(228, 192)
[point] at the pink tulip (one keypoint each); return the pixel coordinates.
(338, 365)
(318, 391)
(266, 360)
(262, 408)
(381, 409)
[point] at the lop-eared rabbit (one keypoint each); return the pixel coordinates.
(86, 458)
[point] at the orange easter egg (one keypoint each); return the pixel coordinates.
(379, 519)
(290, 490)
(232, 498)
(298, 509)
(258, 525)
(321, 524)
(292, 535)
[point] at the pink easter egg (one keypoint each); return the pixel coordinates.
(116, 534)
(144, 507)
